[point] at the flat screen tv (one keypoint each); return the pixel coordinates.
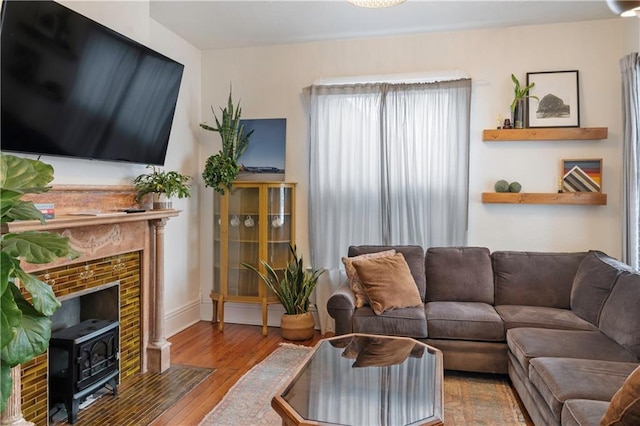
(73, 87)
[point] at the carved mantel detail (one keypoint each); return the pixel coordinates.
(92, 242)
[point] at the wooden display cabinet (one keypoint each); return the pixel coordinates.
(253, 221)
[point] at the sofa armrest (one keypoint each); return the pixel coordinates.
(341, 306)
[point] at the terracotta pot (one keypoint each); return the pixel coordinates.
(297, 327)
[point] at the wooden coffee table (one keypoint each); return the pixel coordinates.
(359, 379)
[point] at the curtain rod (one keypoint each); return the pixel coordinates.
(424, 77)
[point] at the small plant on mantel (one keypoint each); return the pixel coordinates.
(158, 182)
(25, 325)
(222, 168)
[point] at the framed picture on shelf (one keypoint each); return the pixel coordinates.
(558, 103)
(582, 175)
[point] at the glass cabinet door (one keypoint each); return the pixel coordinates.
(280, 226)
(237, 225)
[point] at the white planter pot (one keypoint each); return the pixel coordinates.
(161, 202)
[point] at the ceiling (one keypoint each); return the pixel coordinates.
(215, 24)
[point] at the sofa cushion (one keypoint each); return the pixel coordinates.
(535, 279)
(413, 255)
(592, 284)
(464, 321)
(560, 379)
(541, 317)
(354, 278)
(625, 404)
(582, 412)
(526, 343)
(409, 322)
(387, 282)
(620, 318)
(459, 274)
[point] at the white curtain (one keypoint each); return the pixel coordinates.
(388, 165)
(630, 68)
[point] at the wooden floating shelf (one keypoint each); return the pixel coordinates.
(542, 134)
(579, 198)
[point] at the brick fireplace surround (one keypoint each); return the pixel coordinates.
(126, 248)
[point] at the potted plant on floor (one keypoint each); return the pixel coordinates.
(222, 168)
(293, 288)
(517, 105)
(163, 185)
(27, 302)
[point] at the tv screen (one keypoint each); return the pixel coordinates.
(72, 87)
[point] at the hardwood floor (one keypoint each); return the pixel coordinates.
(232, 353)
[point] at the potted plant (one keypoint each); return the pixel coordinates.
(222, 168)
(293, 289)
(27, 303)
(517, 105)
(163, 185)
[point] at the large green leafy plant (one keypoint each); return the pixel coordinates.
(294, 286)
(222, 168)
(25, 327)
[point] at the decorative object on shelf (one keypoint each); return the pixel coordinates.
(163, 185)
(559, 99)
(582, 175)
(222, 168)
(518, 104)
(504, 186)
(501, 186)
(25, 326)
(499, 121)
(507, 123)
(235, 221)
(293, 289)
(249, 222)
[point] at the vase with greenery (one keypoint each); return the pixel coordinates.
(161, 183)
(222, 168)
(27, 303)
(517, 105)
(293, 288)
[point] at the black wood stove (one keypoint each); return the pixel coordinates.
(82, 359)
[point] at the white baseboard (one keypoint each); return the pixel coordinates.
(248, 313)
(182, 317)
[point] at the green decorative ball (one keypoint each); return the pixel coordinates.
(502, 186)
(515, 187)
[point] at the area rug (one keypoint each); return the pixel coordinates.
(142, 398)
(475, 399)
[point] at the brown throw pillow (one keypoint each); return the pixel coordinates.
(388, 283)
(624, 408)
(354, 279)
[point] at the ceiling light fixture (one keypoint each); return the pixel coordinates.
(624, 7)
(376, 3)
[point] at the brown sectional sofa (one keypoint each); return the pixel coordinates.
(564, 326)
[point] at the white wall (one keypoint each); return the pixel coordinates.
(182, 286)
(269, 81)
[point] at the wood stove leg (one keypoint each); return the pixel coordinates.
(158, 351)
(12, 415)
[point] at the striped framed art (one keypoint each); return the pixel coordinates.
(582, 175)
